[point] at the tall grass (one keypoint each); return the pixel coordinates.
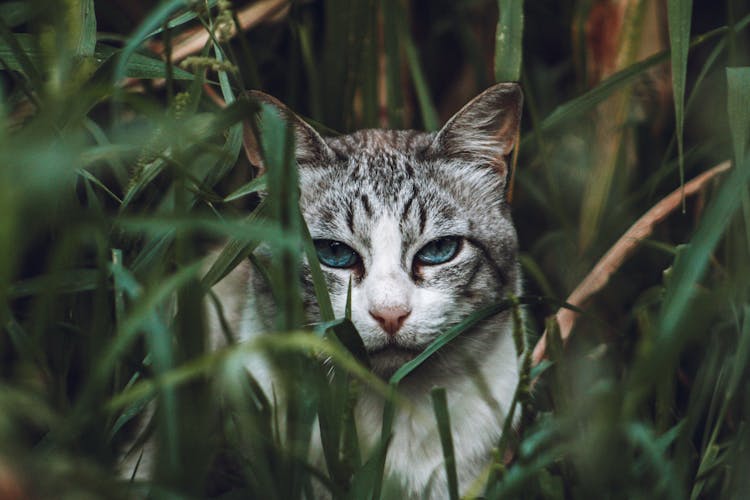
(120, 168)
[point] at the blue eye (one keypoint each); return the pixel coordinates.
(335, 254)
(439, 251)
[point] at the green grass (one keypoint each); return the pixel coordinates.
(118, 172)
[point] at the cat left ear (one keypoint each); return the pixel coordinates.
(485, 129)
(309, 145)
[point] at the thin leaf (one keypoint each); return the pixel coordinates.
(318, 279)
(86, 43)
(254, 186)
(680, 13)
(508, 41)
(13, 51)
(450, 334)
(393, 63)
(89, 176)
(15, 13)
(567, 112)
(429, 114)
(738, 106)
(241, 229)
(67, 281)
(689, 269)
(140, 65)
(440, 406)
(152, 22)
(137, 66)
(183, 18)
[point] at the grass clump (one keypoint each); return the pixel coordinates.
(121, 145)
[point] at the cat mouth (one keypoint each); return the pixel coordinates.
(387, 359)
(394, 350)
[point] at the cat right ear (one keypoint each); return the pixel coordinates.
(309, 145)
(485, 129)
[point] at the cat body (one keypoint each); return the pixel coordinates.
(420, 225)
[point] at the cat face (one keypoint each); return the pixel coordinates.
(419, 223)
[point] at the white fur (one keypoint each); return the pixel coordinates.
(415, 457)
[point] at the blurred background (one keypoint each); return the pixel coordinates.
(121, 162)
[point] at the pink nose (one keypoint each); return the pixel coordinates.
(391, 318)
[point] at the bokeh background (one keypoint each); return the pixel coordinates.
(121, 163)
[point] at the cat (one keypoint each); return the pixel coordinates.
(420, 224)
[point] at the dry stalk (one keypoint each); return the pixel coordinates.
(194, 40)
(618, 253)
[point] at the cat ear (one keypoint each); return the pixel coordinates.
(485, 129)
(309, 145)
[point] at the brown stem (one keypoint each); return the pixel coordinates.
(618, 253)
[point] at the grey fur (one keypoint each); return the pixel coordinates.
(430, 185)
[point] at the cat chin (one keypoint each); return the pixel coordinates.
(386, 360)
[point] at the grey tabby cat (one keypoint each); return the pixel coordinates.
(420, 223)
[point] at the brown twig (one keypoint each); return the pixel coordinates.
(195, 39)
(620, 251)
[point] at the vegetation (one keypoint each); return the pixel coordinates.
(121, 162)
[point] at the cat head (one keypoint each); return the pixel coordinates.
(420, 224)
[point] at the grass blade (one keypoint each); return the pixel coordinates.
(567, 112)
(14, 48)
(509, 41)
(680, 13)
(738, 104)
(689, 269)
(429, 113)
(395, 96)
(86, 43)
(440, 405)
(449, 335)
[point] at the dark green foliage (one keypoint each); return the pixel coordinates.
(118, 172)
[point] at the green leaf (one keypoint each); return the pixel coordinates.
(15, 13)
(393, 63)
(239, 229)
(15, 53)
(440, 405)
(255, 185)
(318, 279)
(679, 13)
(509, 41)
(68, 281)
(429, 113)
(139, 65)
(472, 320)
(86, 43)
(567, 112)
(689, 269)
(654, 461)
(738, 108)
(153, 21)
(232, 254)
(184, 17)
